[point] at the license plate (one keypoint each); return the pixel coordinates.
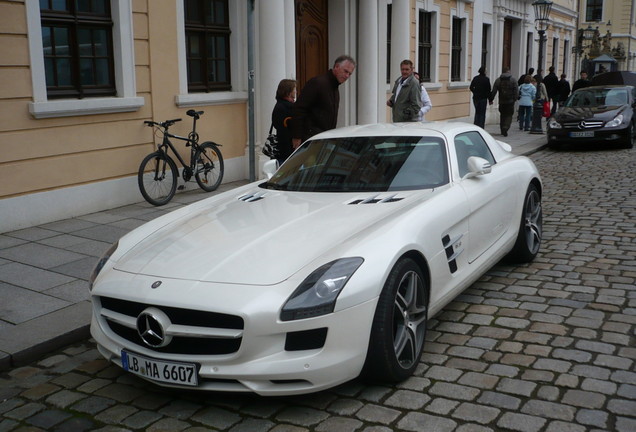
(159, 370)
(582, 134)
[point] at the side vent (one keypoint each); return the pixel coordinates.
(377, 200)
(251, 197)
(453, 248)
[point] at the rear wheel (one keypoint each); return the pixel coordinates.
(209, 167)
(157, 178)
(399, 325)
(530, 228)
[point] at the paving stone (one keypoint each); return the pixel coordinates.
(93, 405)
(377, 414)
(584, 399)
(404, 399)
(551, 410)
(560, 426)
(300, 416)
(223, 419)
(335, 424)
(521, 422)
(441, 373)
(48, 419)
(174, 425)
(622, 407)
(499, 400)
(413, 421)
(441, 406)
(475, 413)
(590, 417)
(141, 419)
(345, 407)
(116, 414)
(624, 424)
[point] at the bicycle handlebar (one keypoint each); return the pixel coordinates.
(165, 124)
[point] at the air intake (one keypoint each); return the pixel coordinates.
(251, 197)
(377, 199)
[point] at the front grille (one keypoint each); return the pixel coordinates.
(587, 124)
(200, 341)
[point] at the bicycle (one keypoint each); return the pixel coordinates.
(157, 176)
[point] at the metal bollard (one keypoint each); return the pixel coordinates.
(537, 116)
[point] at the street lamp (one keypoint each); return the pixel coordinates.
(542, 10)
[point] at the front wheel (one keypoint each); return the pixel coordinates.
(629, 137)
(399, 325)
(209, 167)
(157, 178)
(530, 228)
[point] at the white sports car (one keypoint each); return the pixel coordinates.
(326, 271)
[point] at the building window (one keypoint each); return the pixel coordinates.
(594, 10)
(77, 42)
(555, 52)
(207, 31)
(425, 45)
(529, 40)
(485, 42)
(456, 50)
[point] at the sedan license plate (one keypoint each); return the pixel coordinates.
(159, 370)
(582, 134)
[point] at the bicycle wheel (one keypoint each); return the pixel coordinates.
(209, 166)
(157, 178)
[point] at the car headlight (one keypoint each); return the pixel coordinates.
(317, 294)
(101, 263)
(553, 124)
(618, 120)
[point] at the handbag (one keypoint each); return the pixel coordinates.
(546, 109)
(270, 146)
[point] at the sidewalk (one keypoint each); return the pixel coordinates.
(44, 270)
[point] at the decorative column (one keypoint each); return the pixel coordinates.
(271, 65)
(368, 62)
(400, 35)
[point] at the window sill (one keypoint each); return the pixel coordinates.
(458, 85)
(432, 86)
(79, 107)
(220, 98)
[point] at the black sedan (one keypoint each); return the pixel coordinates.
(597, 114)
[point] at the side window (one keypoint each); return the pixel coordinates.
(471, 144)
(77, 41)
(207, 31)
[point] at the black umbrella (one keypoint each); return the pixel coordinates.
(615, 78)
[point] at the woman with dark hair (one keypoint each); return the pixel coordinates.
(281, 115)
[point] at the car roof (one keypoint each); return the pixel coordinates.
(432, 128)
(612, 86)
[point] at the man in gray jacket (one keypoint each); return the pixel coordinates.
(406, 99)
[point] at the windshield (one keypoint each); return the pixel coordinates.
(362, 164)
(597, 97)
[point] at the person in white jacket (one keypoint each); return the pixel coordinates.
(426, 100)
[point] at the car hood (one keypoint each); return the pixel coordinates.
(602, 112)
(261, 238)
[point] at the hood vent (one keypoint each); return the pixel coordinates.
(377, 199)
(251, 197)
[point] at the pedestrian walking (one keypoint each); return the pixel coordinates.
(281, 116)
(480, 88)
(406, 97)
(563, 89)
(551, 82)
(581, 82)
(426, 100)
(527, 94)
(316, 109)
(522, 78)
(508, 89)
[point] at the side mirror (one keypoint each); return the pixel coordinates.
(477, 166)
(270, 167)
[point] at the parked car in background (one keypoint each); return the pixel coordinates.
(597, 114)
(329, 269)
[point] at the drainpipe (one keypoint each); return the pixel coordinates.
(629, 40)
(250, 90)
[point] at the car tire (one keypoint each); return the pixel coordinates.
(399, 325)
(530, 232)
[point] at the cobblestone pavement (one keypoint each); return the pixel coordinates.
(545, 347)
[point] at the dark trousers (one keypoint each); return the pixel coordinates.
(505, 116)
(480, 111)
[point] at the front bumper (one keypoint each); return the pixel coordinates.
(607, 135)
(264, 362)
